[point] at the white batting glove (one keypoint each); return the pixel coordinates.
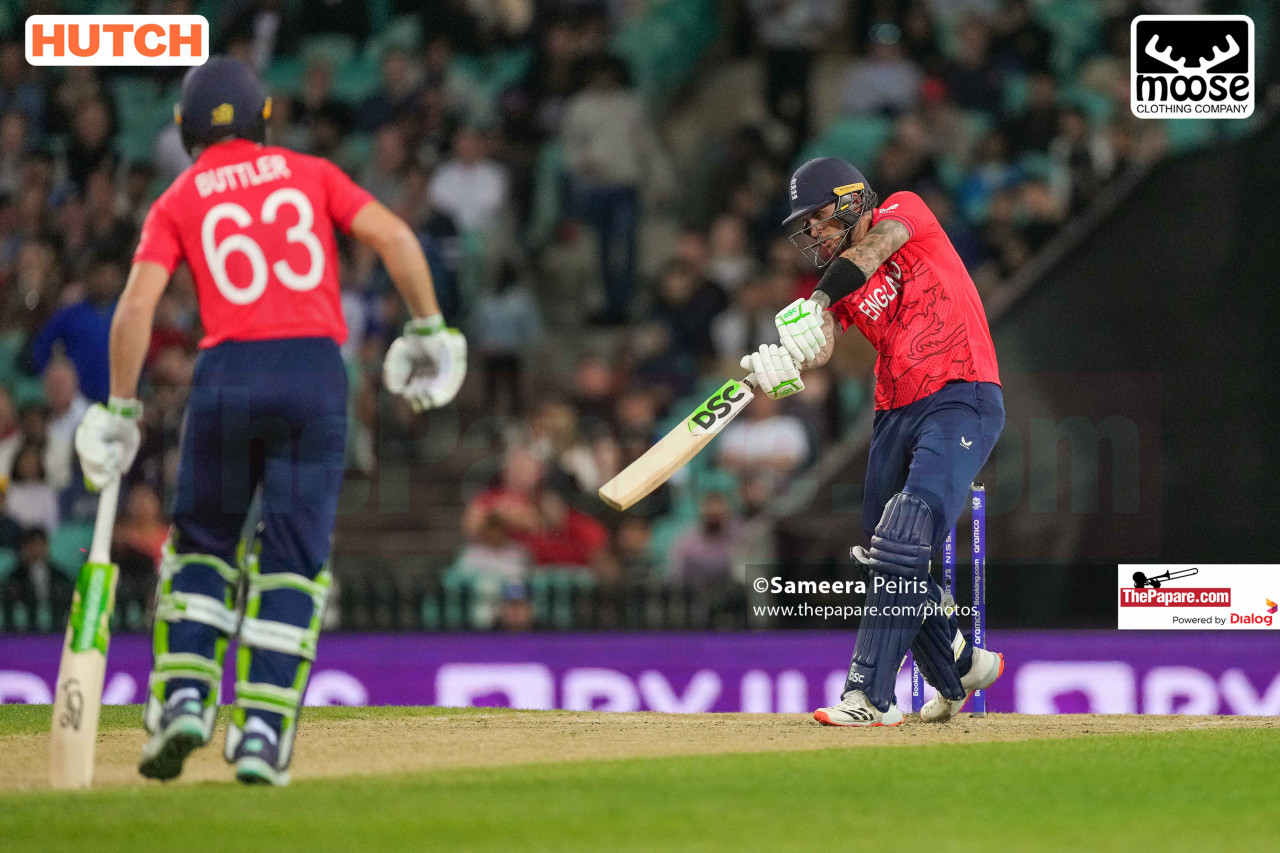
(775, 371)
(107, 440)
(800, 328)
(426, 365)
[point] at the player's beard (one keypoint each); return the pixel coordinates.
(831, 247)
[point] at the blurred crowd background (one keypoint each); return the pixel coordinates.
(597, 185)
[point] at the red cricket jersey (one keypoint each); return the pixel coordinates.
(920, 311)
(255, 224)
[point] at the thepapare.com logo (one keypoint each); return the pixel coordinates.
(1192, 66)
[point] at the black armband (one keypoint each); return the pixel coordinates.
(841, 278)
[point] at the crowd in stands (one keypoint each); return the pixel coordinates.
(524, 143)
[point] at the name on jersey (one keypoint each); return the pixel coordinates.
(251, 173)
(878, 298)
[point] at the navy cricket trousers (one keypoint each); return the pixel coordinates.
(270, 415)
(933, 449)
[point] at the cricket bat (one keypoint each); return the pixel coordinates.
(78, 697)
(677, 447)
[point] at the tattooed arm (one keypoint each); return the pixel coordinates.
(885, 238)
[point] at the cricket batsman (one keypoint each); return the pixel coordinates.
(892, 272)
(267, 411)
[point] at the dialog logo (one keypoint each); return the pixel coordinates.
(1192, 66)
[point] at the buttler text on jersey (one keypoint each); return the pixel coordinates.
(251, 173)
(878, 298)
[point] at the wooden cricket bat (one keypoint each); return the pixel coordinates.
(677, 447)
(78, 697)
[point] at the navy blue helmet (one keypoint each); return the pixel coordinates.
(219, 99)
(818, 183)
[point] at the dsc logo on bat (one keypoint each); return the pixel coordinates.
(720, 408)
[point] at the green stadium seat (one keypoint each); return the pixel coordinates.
(857, 140)
(26, 391)
(69, 546)
(335, 49)
(8, 562)
(664, 534)
(10, 347)
(1189, 134)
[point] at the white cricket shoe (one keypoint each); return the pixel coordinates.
(986, 668)
(856, 710)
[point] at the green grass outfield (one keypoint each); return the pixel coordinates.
(1212, 789)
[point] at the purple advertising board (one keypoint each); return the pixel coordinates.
(1046, 672)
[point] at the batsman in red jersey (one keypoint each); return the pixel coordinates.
(892, 272)
(267, 412)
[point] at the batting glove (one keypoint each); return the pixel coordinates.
(775, 371)
(426, 365)
(800, 328)
(107, 440)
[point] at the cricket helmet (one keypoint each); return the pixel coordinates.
(219, 99)
(818, 183)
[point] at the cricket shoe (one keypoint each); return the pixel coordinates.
(180, 733)
(856, 710)
(255, 759)
(983, 672)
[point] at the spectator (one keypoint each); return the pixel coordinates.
(566, 536)
(791, 33)
(766, 441)
(66, 407)
(84, 328)
(886, 80)
(34, 583)
(686, 305)
(11, 437)
(491, 563)
(702, 557)
(470, 187)
(1037, 126)
(10, 530)
(730, 261)
(13, 150)
(396, 99)
(511, 501)
(18, 91)
(316, 98)
(991, 173)
(562, 449)
(30, 500)
(385, 174)
(631, 548)
(610, 150)
(974, 83)
(143, 528)
(1082, 157)
(504, 325)
(91, 142)
(748, 319)
(1024, 45)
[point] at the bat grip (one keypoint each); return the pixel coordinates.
(104, 525)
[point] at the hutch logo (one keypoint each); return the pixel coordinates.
(119, 40)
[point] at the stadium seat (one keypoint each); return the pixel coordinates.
(10, 346)
(69, 546)
(27, 391)
(8, 562)
(857, 140)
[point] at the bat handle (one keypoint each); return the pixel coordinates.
(100, 551)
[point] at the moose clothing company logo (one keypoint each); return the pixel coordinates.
(121, 40)
(1202, 597)
(1192, 66)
